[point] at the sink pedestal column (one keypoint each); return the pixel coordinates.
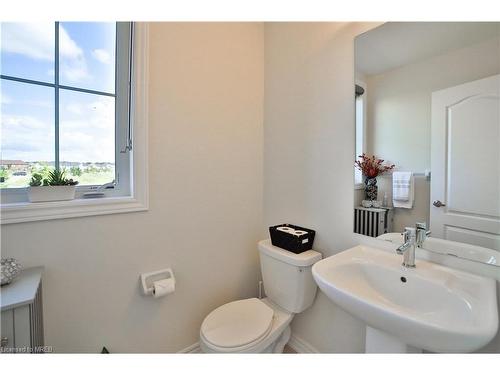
(380, 342)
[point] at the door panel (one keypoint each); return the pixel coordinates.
(465, 161)
(472, 142)
(478, 238)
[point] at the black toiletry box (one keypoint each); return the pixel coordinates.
(289, 241)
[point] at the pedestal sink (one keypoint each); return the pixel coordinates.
(429, 307)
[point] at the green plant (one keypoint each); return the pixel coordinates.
(76, 171)
(4, 175)
(36, 179)
(57, 178)
(54, 178)
(40, 169)
(92, 169)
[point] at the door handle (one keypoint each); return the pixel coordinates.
(438, 203)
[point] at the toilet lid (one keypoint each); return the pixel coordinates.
(238, 323)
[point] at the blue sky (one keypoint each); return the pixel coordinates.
(87, 60)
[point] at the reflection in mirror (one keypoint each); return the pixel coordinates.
(427, 101)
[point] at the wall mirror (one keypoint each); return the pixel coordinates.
(427, 104)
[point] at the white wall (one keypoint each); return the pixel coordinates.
(206, 138)
(308, 154)
(399, 114)
(205, 217)
(399, 101)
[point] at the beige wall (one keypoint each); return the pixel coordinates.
(205, 217)
(403, 217)
(399, 114)
(308, 154)
(205, 151)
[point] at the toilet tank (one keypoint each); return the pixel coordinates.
(288, 280)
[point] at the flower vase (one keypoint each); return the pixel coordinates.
(371, 188)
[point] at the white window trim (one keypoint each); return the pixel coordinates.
(360, 185)
(139, 198)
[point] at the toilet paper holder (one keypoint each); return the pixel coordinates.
(147, 279)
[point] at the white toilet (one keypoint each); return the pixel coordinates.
(263, 326)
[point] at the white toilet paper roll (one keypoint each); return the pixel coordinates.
(163, 287)
(285, 229)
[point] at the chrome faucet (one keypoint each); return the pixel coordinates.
(408, 247)
(412, 237)
(422, 233)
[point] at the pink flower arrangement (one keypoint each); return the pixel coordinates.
(372, 166)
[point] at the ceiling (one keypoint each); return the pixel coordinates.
(395, 44)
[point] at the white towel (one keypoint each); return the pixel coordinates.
(403, 189)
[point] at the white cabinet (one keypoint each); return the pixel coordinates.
(22, 313)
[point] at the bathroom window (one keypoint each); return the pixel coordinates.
(70, 100)
(360, 103)
(65, 102)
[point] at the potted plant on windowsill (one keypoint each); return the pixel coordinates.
(56, 187)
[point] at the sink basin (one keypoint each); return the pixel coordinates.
(431, 307)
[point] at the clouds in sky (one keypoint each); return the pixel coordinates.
(86, 130)
(27, 111)
(5, 99)
(72, 63)
(102, 56)
(36, 41)
(27, 138)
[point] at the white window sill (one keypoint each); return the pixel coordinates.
(26, 212)
(359, 186)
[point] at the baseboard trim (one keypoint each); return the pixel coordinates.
(191, 349)
(296, 343)
(301, 346)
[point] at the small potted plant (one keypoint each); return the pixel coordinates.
(56, 187)
(371, 167)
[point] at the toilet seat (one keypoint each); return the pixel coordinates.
(238, 323)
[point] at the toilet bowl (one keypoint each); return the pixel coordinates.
(263, 325)
(246, 326)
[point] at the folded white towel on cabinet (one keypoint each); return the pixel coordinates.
(403, 189)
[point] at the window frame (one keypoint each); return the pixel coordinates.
(359, 101)
(123, 142)
(136, 199)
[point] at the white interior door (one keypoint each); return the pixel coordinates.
(465, 162)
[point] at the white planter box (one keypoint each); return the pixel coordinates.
(51, 193)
